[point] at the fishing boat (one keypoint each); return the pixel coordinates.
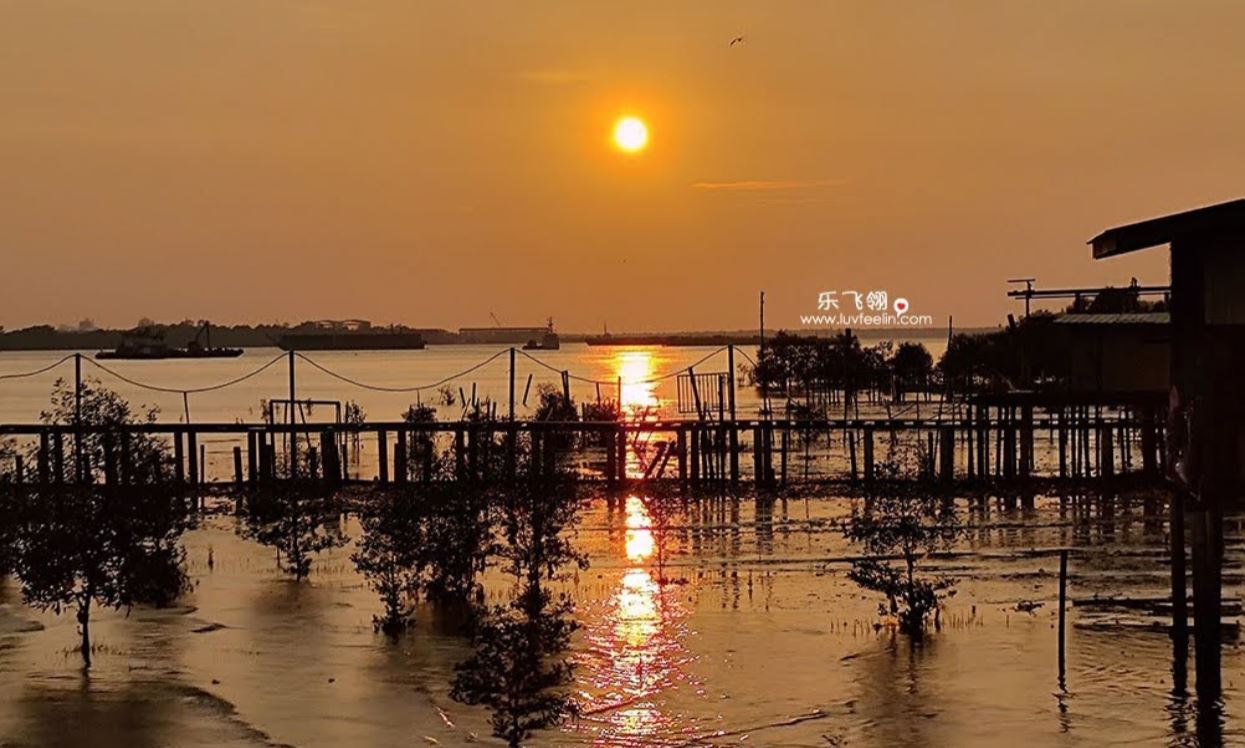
(147, 343)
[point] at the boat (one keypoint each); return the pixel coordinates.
(147, 343)
(548, 342)
(352, 335)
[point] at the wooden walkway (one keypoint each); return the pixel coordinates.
(993, 444)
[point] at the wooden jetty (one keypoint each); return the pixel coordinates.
(988, 443)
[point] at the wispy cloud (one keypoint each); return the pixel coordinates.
(553, 77)
(758, 185)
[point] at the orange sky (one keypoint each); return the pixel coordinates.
(428, 163)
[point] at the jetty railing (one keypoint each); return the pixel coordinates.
(988, 446)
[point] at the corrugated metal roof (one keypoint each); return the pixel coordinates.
(1124, 318)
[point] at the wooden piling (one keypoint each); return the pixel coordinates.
(192, 449)
(252, 456)
(946, 454)
(868, 455)
(681, 438)
(1063, 607)
(179, 458)
(851, 450)
(399, 458)
(237, 466)
(382, 456)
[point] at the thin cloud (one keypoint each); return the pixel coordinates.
(553, 77)
(759, 185)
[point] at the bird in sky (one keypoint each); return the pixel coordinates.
(737, 40)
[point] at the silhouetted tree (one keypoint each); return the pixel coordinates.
(104, 410)
(298, 522)
(519, 669)
(80, 546)
(389, 558)
(912, 366)
(457, 541)
(903, 520)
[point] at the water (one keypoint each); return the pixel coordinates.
(21, 400)
(759, 638)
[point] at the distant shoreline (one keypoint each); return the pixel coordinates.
(46, 338)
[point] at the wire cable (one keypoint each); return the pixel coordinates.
(37, 372)
(415, 388)
(184, 390)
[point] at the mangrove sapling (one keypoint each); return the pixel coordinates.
(103, 409)
(80, 546)
(904, 521)
(388, 557)
(298, 522)
(457, 542)
(519, 669)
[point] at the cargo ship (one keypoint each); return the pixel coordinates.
(352, 335)
(148, 344)
(548, 341)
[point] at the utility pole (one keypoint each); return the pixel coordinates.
(77, 418)
(293, 450)
(761, 360)
(511, 383)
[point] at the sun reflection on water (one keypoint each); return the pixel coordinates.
(635, 369)
(639, 538)
(634, 645)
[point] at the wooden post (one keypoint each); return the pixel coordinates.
(681, 437)
(202, 464)
(1149, 463)
(192, 449)
(179, 458)
(110, 461)
(399, 458)
(786, 446)
(611, 457)
(1026, 441)
(460, 453)
(237, 465)
(1009, 449)
(382, 455)
(946, 454)
(313, 463)
(869, 454)
(733, 444)
(252, 459)
(1063, 445)
(758, 448)
(1106, 452)
(19, 470)
(851, 450)
(1063, 605)
(1179, 589)
(42, 458)
(58, 457)
(694, 435)
(1207, 600)
(127, 460)
(621, 460)
(428, 447)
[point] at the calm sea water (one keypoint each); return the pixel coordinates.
(759, 640)
(21, 400)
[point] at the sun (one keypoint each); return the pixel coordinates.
(630, 134)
